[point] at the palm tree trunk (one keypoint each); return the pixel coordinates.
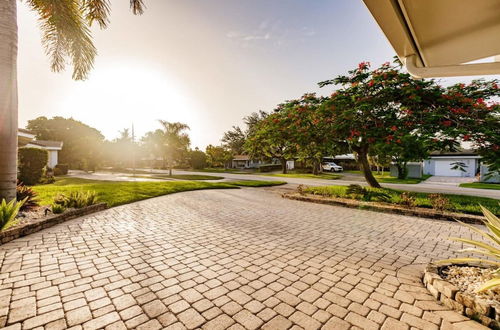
(8, 99)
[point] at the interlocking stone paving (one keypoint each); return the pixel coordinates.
(227, 259)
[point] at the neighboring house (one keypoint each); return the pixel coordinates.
(27, 139)
(244, 161)
(441, 163)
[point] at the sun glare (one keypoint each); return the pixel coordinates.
(116, 96)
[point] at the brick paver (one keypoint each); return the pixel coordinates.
(238, 259)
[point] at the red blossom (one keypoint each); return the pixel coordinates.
(371, 83)
(466, 137)
(394, 128)
(447, 123)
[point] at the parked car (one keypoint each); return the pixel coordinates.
(332, 167)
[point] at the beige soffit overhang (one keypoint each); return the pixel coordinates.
(437, 38)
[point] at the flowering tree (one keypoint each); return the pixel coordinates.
(470, 113)
(379, 107)
(309, 132)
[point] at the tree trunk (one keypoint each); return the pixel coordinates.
(402, 170)
(364, 166)
(8, 99)
(170, 171)
(283, 165)
(315, 167)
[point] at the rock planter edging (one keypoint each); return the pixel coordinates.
(416, 212)
(464, 304)
(32, 227)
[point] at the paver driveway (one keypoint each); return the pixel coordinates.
(226, 259)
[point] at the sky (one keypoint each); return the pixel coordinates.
(204, 63)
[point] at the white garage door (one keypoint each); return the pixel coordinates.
(443, 168)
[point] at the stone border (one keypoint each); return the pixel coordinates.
(32, 227)
(372, 206)
(463, 303)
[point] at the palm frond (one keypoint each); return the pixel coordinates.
(96, 10)
(137, 7)
(65, 34)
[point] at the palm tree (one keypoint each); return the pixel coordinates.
(176, 142)
(66, 37)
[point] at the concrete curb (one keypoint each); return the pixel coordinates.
(29, 228)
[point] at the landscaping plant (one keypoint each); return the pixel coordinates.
(358, 192)
(490, 250)
(28, 195)
(407, 199)
(57, 208)
(440, 202)
(8, 213)
(76, 199)
(32, 162)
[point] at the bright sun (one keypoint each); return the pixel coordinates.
(116, 96)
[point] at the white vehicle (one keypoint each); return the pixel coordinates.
(332, 167)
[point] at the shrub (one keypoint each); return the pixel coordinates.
(8, 213)
(31, 164)
(407, 199)
(61, 168)
(76, 199)
(491, 251)
(57, 208)
(197, 159)
(47, 179)
(355, 191)
(301, 189)
(28, 195)
(269, 167)
(440, 202)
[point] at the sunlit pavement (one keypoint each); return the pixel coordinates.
(219, 259)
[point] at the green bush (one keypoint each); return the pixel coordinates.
(61, 169)
(57, 208)
(269, 167)
(76, 199)
(8, 213)
(197, 159)
(32, 161)
(28, 195)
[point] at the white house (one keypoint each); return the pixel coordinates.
(27, 139)
(244, 161)
(441, 164)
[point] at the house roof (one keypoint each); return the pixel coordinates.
(21, 132)
(435, 38)
(51, 145)
(241, 157)
(464, 153)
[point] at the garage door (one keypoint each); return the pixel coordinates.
(443, 168)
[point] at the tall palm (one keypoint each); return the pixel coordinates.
(176, 142)
(66, 37)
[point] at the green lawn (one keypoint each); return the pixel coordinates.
(481, 185)
(460, 203)
(189, 177)
(328, 176)
(387, 178)
(117, 193)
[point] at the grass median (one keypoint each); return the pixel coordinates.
(459, 203)
(117, 193)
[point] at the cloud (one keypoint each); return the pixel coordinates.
(271, 31)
